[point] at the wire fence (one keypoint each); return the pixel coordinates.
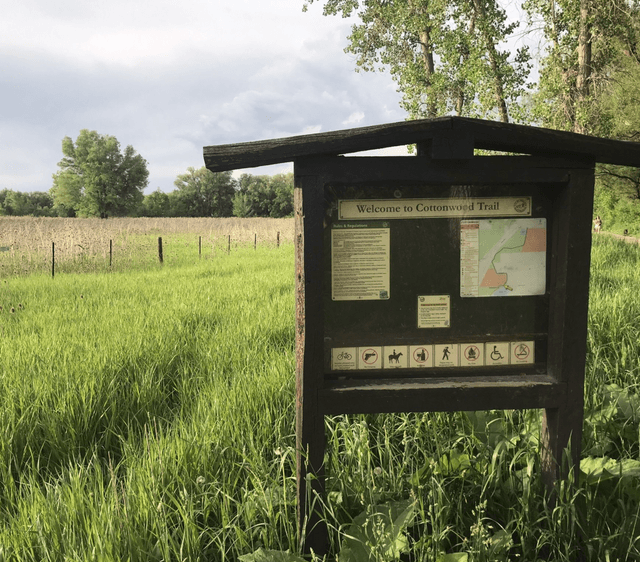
(74, 247)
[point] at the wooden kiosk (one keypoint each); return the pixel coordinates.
(440, 282)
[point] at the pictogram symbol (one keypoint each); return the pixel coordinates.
(495, 354)
(445, 353)
(370, 356)
(395, 357)
(420, 355)
(472, 353)
(522, 351)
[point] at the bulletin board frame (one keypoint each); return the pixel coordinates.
(558, 164)
(554, 382)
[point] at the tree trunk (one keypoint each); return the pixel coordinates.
(480, 15)
(429, 67)
(583, 79)
(464, 57)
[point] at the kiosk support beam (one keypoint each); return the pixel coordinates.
(562, 425)
(310, 437)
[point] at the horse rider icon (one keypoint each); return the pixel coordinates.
(495, 354)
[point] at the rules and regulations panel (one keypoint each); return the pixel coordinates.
(423, 279)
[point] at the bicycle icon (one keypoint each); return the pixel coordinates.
(344, 356)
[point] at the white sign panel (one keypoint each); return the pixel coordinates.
(434, 311)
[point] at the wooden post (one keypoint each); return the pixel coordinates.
(110, 252)
(255, 240)
(160, 249)
(199, 246)
(310, 435)
(229, 245)
(53, 259)
(278, 240)
(562, 426)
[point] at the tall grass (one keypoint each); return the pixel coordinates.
(119, 244)
(149, 415)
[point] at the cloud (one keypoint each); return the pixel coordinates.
(354, 118)
(202, 74)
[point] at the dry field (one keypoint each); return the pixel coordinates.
(83, 244)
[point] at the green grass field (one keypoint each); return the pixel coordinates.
(149, 415)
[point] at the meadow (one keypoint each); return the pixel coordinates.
(148, 414)
(123, 244)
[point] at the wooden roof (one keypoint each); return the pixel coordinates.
(441, 138)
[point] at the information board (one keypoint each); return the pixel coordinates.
(418, 285)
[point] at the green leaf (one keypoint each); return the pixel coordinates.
(262, 555)
(501, 542)
(628, 405)
(453, 557)
(600, 469)
(378, 533)
(453, 462)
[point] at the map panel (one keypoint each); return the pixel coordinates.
(503, 257)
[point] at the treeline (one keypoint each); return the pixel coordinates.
(18, 204)
(198, 193)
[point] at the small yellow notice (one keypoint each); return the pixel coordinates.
(434, 311)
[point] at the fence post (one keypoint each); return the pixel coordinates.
(110, 252)
(199, 246)
(278, 240)
(160, 249)
(53, 259)
(229, 246)
(255, 240)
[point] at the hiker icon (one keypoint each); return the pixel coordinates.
(495, 354)
(445, 354)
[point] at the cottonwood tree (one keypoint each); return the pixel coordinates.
(156, 204)
(264, 196)
(97, 179)
(203, 193)
(585, 44)
(447, 56)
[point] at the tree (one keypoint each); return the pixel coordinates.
(264, 196)
(97, 179)
(282, 205)
(253, 197)
(445, 55)
(41, 204)
(156, 204)
(14, 203)
(206, 194)
(17, 203)
(584, 41)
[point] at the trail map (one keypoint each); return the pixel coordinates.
(503, 257)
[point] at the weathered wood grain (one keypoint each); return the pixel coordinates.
(442, 138)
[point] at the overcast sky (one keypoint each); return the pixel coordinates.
(171, 77)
